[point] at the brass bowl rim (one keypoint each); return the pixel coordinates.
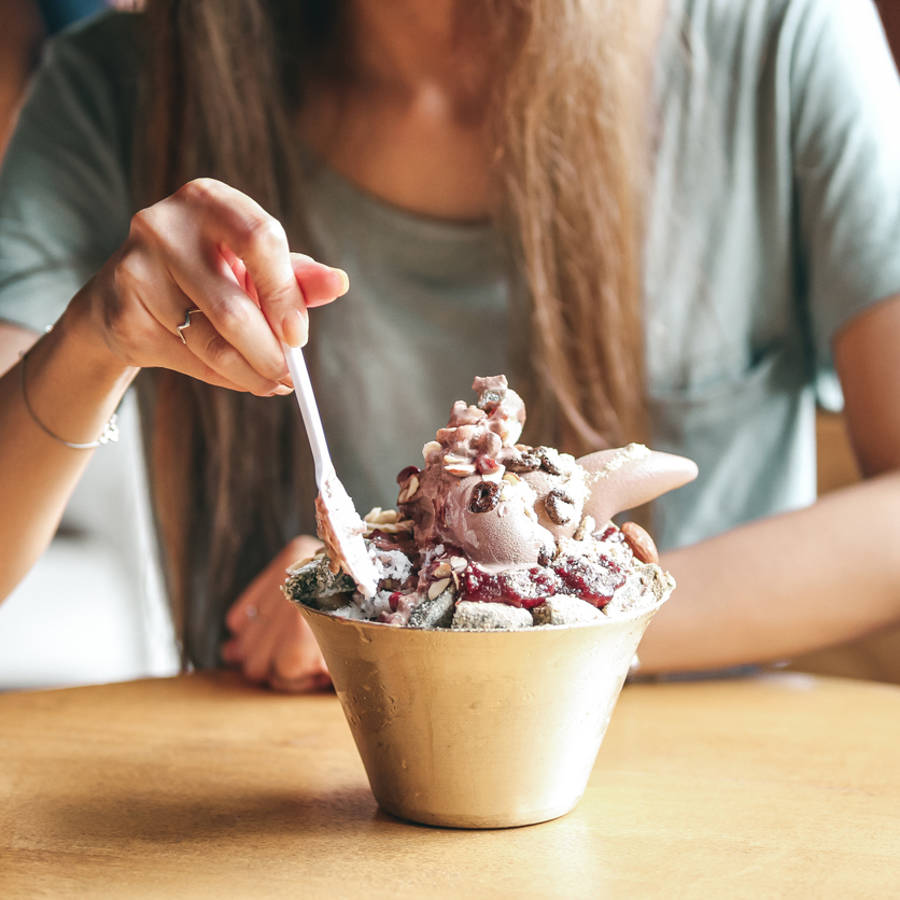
(618, 620)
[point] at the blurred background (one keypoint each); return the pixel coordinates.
(91, 610)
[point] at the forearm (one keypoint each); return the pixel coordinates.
(74, 384)
(784, 585)
(207, 249)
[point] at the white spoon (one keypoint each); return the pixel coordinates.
(337, 520)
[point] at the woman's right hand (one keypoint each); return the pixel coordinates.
(211, 248)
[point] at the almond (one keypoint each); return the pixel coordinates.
(460, 470)
(436, 588)
(451, 459)
(391, 527)
(379, 516)
(641, 543)
(409, 490)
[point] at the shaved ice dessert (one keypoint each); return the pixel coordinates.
(492, 534)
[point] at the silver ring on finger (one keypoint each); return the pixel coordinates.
(187, 322)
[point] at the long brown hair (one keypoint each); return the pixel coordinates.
(222, 86)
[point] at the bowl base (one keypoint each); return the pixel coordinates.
(498, 820)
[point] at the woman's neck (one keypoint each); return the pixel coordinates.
(406, 121)
(405, 46)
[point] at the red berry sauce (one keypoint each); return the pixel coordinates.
(593, 580)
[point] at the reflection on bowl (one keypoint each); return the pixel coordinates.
(478, 729)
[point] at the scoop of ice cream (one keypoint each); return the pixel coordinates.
(463, 477)
(504, 504)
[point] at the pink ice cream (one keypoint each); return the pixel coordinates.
(503, 503)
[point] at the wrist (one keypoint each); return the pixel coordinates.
(82, 324)
(71, 379)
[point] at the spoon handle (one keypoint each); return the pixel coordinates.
(309, 410)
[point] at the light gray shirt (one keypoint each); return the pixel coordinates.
(774, 218)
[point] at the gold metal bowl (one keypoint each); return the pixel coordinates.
(478, 729)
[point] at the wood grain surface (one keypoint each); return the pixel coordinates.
(201, 786)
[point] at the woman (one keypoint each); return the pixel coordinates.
(739, 153)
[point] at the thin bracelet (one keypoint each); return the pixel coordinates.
(110, 433)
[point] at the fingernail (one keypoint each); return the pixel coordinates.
(283, 390)
(345, 281)
(293, 329)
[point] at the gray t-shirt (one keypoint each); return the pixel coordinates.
(774, 217)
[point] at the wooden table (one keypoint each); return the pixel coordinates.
(784, 785)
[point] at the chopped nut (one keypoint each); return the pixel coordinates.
(441, 569)
(436, 588)
(460, 470)
(379, 516)
(430, 448)
(404, 474)
(511, 477)
(458, 563)
(391, 527)
(409, 490)
(451, 459)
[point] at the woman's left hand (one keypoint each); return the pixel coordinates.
(271, 642)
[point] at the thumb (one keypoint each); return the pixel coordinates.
(319, 283)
